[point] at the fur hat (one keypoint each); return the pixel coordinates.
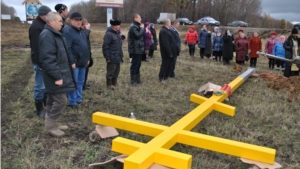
(273, 33)
(44, 10)
(294, 31)
(76, 15)
(240, 30)
(60, 7)
(115, 22)
(192, 27)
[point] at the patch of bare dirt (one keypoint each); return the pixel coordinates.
(291, 84)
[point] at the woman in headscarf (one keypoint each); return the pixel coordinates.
(228, 41)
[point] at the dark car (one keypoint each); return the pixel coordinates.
(185, 21)
(207, 21)
(238, 24)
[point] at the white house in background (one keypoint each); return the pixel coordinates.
(5, 17)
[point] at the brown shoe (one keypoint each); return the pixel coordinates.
(114, 82)
(109, 84)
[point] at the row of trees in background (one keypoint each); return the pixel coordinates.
(224, 11)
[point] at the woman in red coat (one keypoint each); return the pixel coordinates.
(191, 39)
(241, 49)
(254, 46)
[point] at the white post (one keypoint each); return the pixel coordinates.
(109, 16)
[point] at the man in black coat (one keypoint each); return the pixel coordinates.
(168, 50)
(112, 52)
(34, 32)
(136, 48)
(57, 72)
(291, 46)
(175, 33)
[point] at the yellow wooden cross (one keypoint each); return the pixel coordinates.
(142, 156)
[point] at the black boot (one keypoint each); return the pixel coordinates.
(45, 100)
(138, 79)
(109, 84)
(40, 108)
(114, 82)
(133, 80)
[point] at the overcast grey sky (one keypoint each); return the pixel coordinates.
(279, 9)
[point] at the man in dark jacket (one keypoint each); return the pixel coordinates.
(291, 46)
(79, 56)
(34, 32)
(136, 48)
(57, 72)
(168, 50)
(175, 33)
(62, 9)
(112, 52)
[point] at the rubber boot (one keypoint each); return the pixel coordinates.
(39, 105)
(51, 127)
(114, 82)
(138, 80)
(133, 80)
(109, 84)
(45, 100)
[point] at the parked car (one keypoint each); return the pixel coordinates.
(296, 25)
(208, 21)
(238, 24)
(185, 21)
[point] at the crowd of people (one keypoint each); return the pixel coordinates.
(61, 55)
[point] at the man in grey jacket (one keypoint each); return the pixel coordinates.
(112, 52)
(57, 72)
(136, 48)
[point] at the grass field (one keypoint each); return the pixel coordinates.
(263, 116)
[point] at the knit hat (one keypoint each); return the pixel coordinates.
(76, 15)
(219, 30)
(273, 33)
(240, 30)
(192, 27)
(60, 7)
(294, 31)
(216, 28)
(44, 10)
(115, 22)
(146, 24)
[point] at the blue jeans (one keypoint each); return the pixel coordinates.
(136, 64)
(39, 87)
(79, 77)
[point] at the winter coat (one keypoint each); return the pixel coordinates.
(202, 38)
(254, 45)
(241, 49)
(191, 37)
(279, 50)
(208, 51)
(147, 39)
(87, 32)
(35, 30)
(177, 39)
(78, 49)
(154, 44)
(136, 44)
(270, 45)
(112, 46)
(55, 62)
(227, 47)
(167, 43)
(288, 46)
(218, 43)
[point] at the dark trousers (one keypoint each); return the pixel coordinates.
(218, 55)
(151, 52)
(288, 72)
(253, 62)
(192, 50)
(113, 70)
(165, 69)
(136, 63)
(226, 61)
(240, 62)
(279, 63)
(271, 63)
(173, 65)
(202, 50)
(56, 104)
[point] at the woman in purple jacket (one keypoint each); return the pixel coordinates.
(269, 48)
(147, 40)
